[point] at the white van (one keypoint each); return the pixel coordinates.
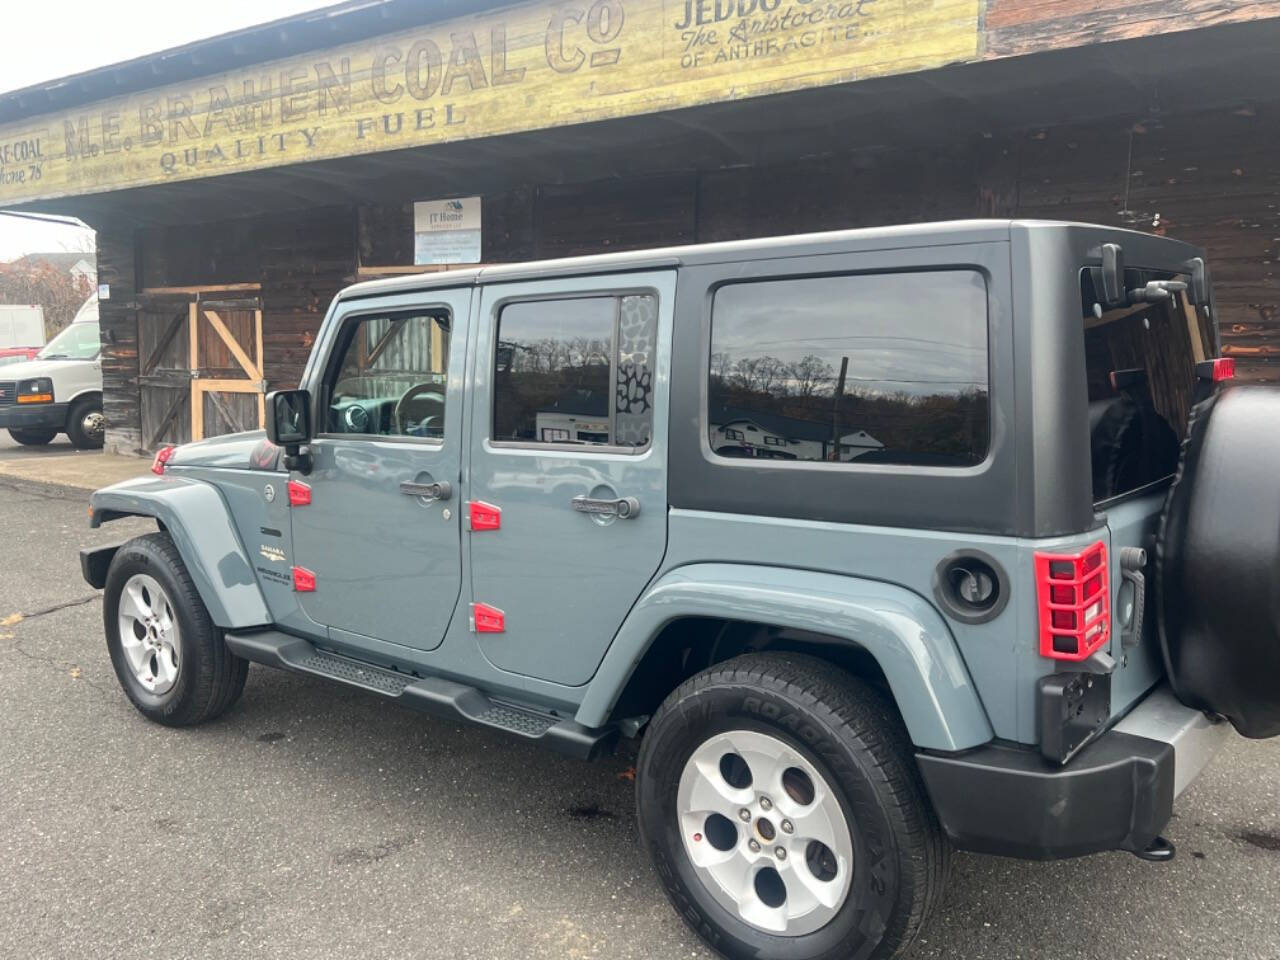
(60, 391)
(21, 331)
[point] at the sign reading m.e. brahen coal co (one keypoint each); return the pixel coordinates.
(527, 67)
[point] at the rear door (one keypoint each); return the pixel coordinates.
(568, 490)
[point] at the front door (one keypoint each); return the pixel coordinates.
(568, 491)
(381, 532)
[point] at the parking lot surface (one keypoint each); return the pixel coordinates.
(316, 822)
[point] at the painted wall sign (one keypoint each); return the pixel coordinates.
(526, 67)
(446, 231)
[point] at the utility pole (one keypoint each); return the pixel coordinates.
(835, 410)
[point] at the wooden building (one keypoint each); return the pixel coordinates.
(237, 183)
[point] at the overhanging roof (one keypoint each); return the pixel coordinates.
(1131, 80)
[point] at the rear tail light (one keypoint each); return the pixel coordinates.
(162, 457)
(1217, 370)
(1074, 599)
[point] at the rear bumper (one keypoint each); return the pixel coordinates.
(1116, 794)
(35, 416)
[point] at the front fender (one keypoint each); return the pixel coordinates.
(906, 635)
(196, 517)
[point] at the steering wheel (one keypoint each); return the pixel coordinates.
(428, 395)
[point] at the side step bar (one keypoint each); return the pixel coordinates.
(445, 698)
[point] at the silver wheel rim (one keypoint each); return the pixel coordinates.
(149, 633)
(772, 871)
(93, 424)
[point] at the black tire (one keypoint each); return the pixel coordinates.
(81, 437)
(32, 438)
(210, 677)
(856, 740)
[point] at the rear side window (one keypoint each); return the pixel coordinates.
(576, 371)
(874, 368)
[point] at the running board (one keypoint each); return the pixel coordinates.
(435, 695)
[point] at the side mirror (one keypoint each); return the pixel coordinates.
(288, 417)
(289, 426)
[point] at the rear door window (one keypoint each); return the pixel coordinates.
(576, 371)
(857, 369)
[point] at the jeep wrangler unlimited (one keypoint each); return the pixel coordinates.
(885, 542)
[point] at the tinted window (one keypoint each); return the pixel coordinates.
(390, 377)
(1140, 366)
(576, 371)
(885, 368)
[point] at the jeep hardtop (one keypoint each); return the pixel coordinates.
(884, 542)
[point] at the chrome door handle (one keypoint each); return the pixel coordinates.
(437, 490)
(624, 508)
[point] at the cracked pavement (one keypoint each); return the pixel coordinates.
(316, 822)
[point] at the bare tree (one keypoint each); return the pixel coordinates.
(811, 376)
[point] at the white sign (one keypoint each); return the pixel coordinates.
(104, 291)
(446, 231)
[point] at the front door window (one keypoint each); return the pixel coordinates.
(390, 377)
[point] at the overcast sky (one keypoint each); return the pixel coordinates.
(49, 39)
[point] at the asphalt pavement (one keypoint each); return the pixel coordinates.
(316, 822)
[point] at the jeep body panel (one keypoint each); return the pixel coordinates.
(902, 631)
(398, 581)
(565, 579)
(197, 517)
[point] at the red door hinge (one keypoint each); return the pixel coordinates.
(487, 619)
(304, 581)
(484, 516)
(299, 494)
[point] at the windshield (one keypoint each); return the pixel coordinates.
(77, 342)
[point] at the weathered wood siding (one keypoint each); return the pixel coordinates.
(1210, 178)
(118, 322)
(1015, 27)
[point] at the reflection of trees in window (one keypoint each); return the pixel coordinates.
(948, 426)
(820, 360)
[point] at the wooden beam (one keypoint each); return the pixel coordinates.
(1194, 330)
(197, 396)
(1114, 316)
(262, 362)
(372, 273)
(382, 344)
(229, 386)
(162, 344)
(174, 409)
(233, 345)
(222, 408)
(196, 291)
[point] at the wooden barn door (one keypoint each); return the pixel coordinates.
(228, 389)
(164, 371)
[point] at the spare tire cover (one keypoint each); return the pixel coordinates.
(1218, 562)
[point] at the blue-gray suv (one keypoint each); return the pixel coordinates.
(883, 543)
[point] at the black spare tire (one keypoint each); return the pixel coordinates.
(1218, 562)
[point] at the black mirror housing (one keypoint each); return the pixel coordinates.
(288, 418)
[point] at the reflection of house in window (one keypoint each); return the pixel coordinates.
(577, 416)
(777, 437)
